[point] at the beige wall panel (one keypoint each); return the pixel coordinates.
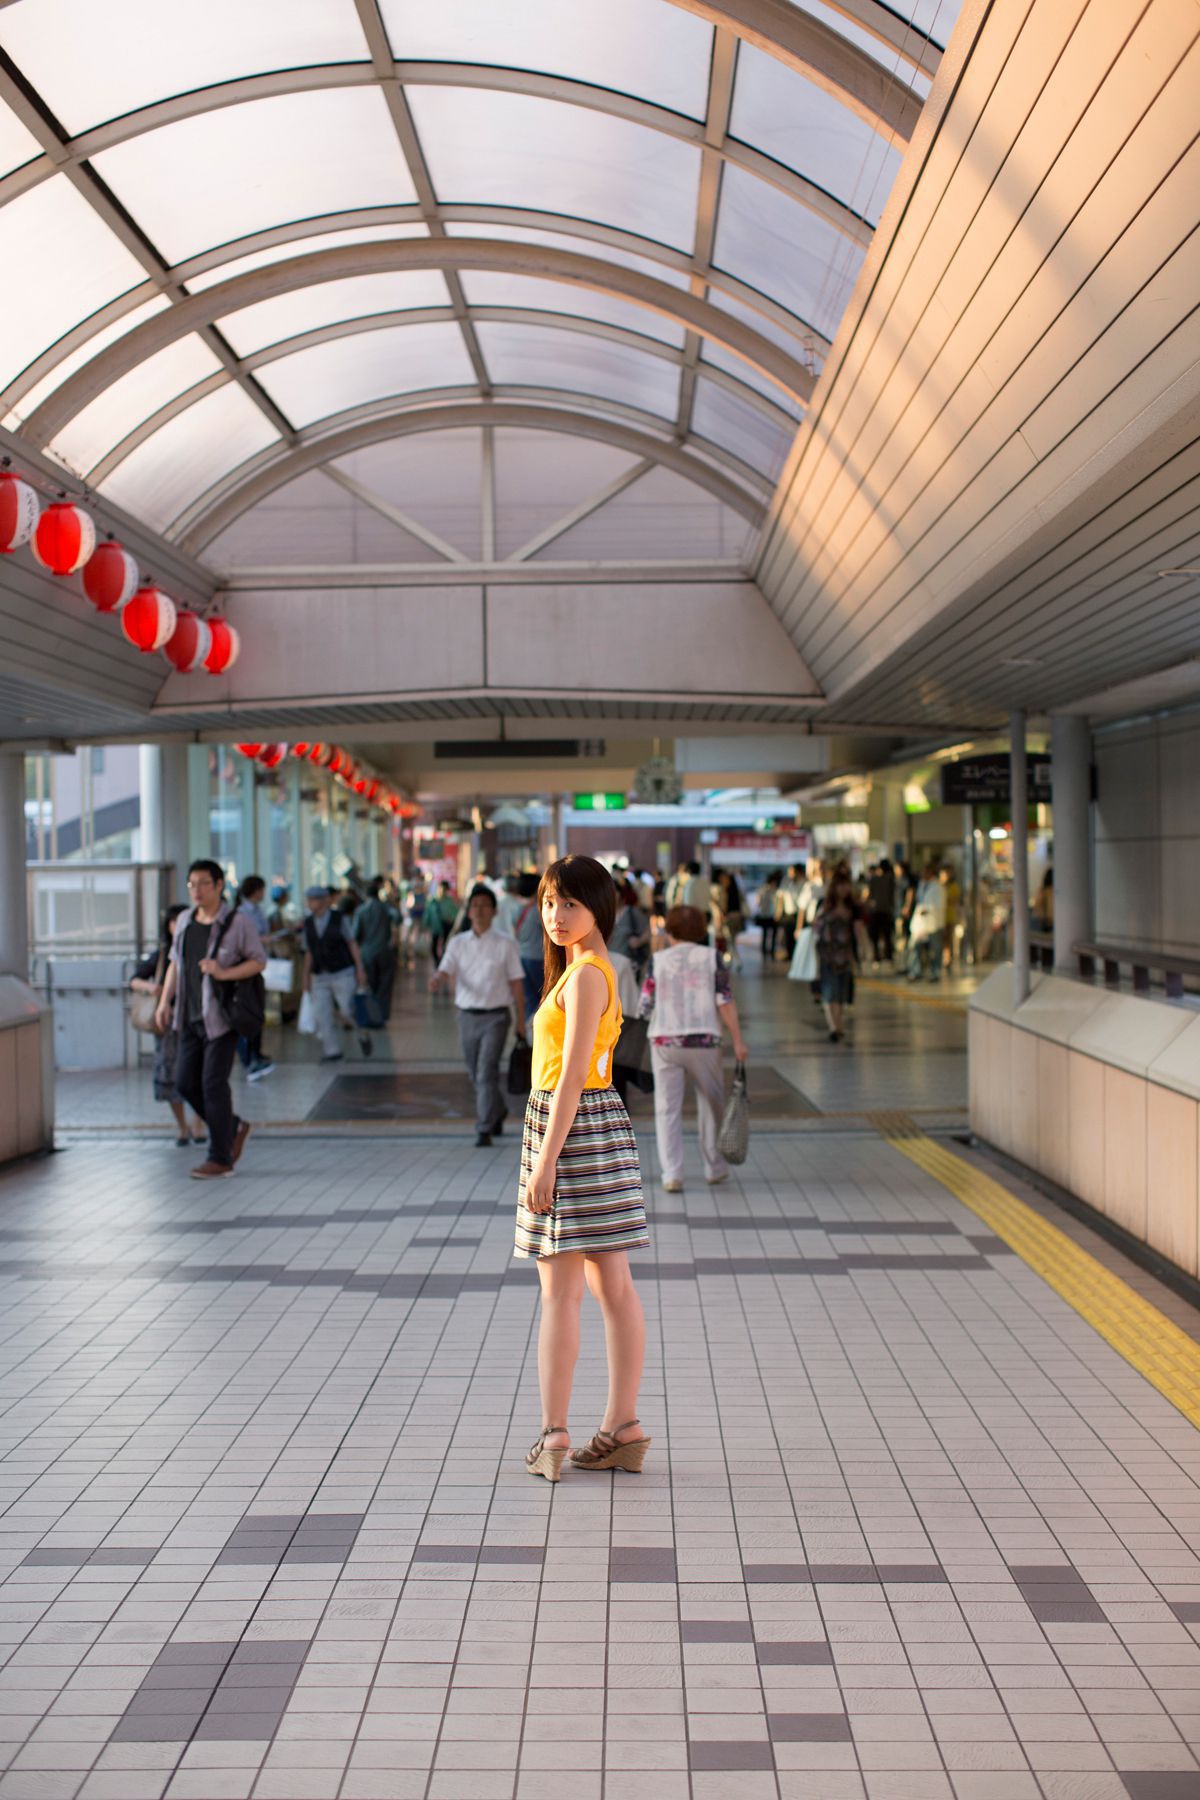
(30, 1123)
(1173, 1175)
(1086, 1081)
(1054, 1112)
(9, 1126)
(1125, 1150)
(1000, 1061)
(1025, 1099)
(946, 198)
(979, 1084)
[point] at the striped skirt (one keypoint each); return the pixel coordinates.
(598, 1202)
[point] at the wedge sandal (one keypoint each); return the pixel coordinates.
(542, 1460)
(604, 1451)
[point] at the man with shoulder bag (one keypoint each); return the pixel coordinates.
(213, 995)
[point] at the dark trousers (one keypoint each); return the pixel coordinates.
(202, 1079)
(250, 1051)
(881, 936)
(770, 930)
(380, 972)
(789, 924)
(482, 1036)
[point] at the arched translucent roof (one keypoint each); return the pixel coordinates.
(245, 231)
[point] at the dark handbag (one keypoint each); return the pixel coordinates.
(733, 1139)
(632, 1053)
(243, 1003)
(520, 1068)
(367, 1015)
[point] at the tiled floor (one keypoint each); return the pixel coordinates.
(909, 1530)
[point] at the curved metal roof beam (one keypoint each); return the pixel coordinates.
(217, 510)
(200, 310)
(428, 315)
(514, 81)
(793, 36)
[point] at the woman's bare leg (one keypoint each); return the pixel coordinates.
(610, 1280)
(558, 1337)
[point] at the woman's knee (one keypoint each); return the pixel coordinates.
(609, 1277)
(562, 1280)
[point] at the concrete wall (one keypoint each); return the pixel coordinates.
(1147, 833)
(1100, 1092)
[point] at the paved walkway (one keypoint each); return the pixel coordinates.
(909, 1529)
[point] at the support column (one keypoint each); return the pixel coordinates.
(14, 913)
(150, 802)
(163, 783)
(1020, 857)
(1071, 772)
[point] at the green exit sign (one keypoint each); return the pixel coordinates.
(599, 803)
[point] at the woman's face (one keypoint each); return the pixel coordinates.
(566, 921)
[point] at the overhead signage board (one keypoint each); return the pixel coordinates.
(766, 850)
(600, 803)
(986, 780)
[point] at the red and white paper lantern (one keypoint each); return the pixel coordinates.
(64, 538)
(188, 644)
(18, 512)
(271, 755)
(110, 577)
(223, 651)
(250, 750)
(149, 619)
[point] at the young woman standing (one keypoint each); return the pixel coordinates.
(580, 1208)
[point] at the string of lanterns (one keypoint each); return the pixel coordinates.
(343, 767)
(63, 538)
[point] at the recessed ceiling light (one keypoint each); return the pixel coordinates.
(1163, 572)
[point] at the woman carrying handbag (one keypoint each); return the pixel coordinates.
(147, 985)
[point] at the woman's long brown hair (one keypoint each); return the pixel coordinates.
(583, 879)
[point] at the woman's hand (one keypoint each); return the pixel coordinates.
(539, 1189)
(162, 1017)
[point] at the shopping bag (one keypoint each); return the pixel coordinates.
(367, 1015)
(306, 1024)
(733, 1139)
(805, 966)
(632, 1053)
(277, 976)
(520, 1068)
(142, 1010)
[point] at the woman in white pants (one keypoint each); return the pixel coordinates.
(688, 998)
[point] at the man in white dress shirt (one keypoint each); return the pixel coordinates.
(489, 985)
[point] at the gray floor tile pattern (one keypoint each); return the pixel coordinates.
(908, 1530)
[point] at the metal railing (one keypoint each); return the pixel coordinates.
(1176, 970)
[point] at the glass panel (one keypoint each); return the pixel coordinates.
(532, 356)
(324, 240)
(311, 521)
(882, 53)
(242, 168)
(720, 358)
(399, 359)
(486, 287)
(636, 46)
(936, 18)
(662, 515)
(70, 264)
(562, 240)
(433, 476)
(512, 149)
(123, 406)
(17, 145)
(175, 466)
(778, 246)
(76, 358)
(287, 315)
(541, 475)
(738, 426)
(96, 59)
(779, 112)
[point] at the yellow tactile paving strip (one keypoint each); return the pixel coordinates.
(912, 996)
(1167, 1357)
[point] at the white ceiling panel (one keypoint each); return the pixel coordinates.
(488, 287)
(643, 47)
(69, 264)
(534, 356)
(94, 60)
(124, 406)
(306, 309)
(222, 174)
(741, 428)
(518, 150)
(159, 479)
(75, 359)
(17, 145)
(561, 240)
(776, 245)
(399, 359)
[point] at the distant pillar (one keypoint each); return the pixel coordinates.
(1020, 857)
(1071, 759)
(14, 912)
(163, 782)
(150, 802)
